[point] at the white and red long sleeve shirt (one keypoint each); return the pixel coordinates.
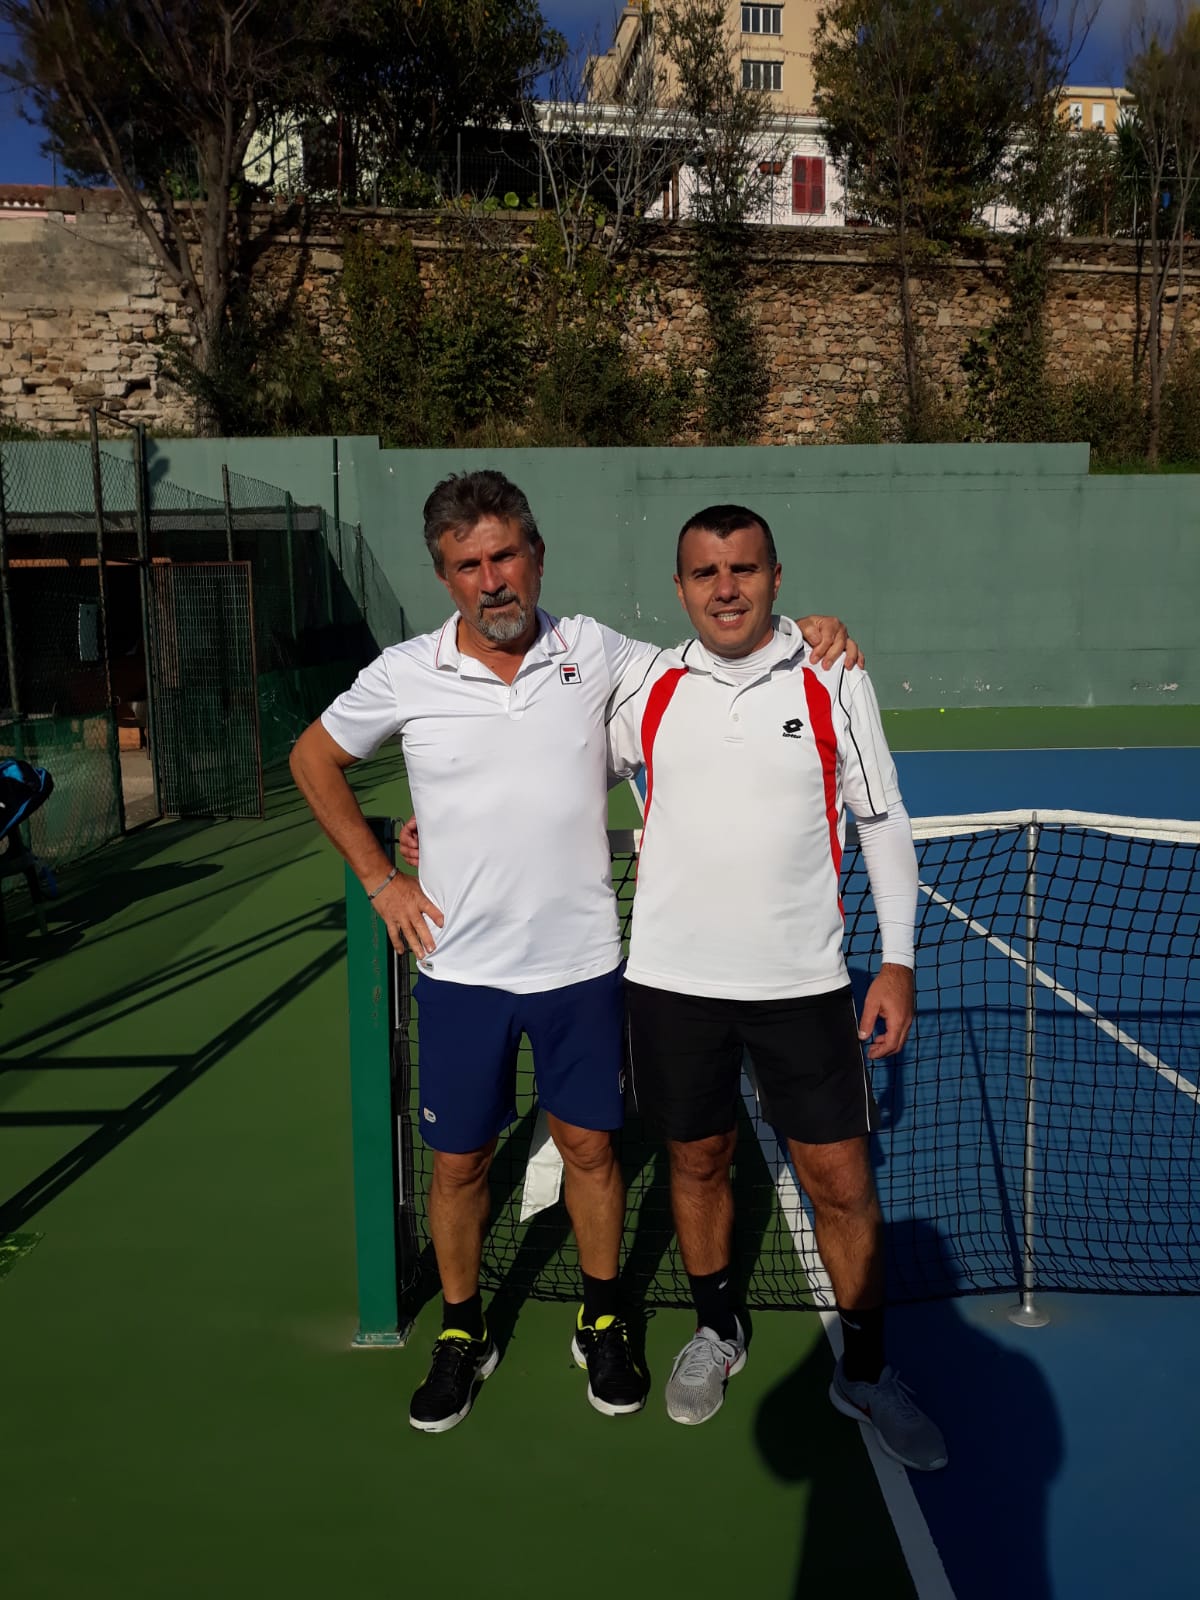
(750, 766)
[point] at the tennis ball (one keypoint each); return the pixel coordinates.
(941, 711)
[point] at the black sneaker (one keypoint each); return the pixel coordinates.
(616, 1384)
(459, 1363)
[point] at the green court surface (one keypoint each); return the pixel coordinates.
(1042, 727)
(183, 1415)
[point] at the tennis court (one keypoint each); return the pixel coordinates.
(183, 1410)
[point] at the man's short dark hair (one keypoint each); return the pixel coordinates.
(465, 498)
(724, 520)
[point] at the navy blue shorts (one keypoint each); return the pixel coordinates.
(467, 1038)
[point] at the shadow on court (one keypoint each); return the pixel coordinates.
(49, 1052)
(987, 1511)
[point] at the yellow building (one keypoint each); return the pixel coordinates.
(1094, 108)
(773, 44)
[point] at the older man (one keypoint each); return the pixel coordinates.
(738, 948)
(513, 925)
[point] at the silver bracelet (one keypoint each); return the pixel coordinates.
(394, 873)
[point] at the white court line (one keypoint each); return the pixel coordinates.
(1146, 1057)
(916, 1542)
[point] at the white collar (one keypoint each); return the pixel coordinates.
(786, 642)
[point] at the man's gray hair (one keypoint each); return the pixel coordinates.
(465, 498)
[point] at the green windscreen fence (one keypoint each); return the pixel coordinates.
(206, 703)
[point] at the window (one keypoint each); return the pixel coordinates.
(762, 19)
(1076, 115)
(1097, 116)
(762, 75)
(808, 186)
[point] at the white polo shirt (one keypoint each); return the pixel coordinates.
(509, 788)
(749, 768)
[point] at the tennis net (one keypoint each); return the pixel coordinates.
(1039, 1130)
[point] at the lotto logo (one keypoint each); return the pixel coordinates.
(569, 672)
(793, 728)
(427, 1114)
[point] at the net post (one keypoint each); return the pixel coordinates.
(1027, 1314)
(370, 969)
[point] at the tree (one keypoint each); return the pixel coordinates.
(163, 98)
(407, 74)
(737, 142)
(1163, 135)
(920, 99)
(1098, 195)
(735, 128)
(604, 163)
(1007, 363)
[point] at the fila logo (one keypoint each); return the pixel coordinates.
(569, 672)
(793, 728)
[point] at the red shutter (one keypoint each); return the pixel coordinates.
(799, 183)
(808, 185)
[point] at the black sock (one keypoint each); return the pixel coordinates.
(466, 1316)
(862, 1331)
(714, 1303)
(599, 1298)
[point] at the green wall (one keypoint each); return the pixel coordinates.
(991, 575)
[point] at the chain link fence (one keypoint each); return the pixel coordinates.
(83, 532)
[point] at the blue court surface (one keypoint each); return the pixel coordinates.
(1071, 1445)
(1128, 783)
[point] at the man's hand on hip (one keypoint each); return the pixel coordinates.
(891, 1000)
(404, 906)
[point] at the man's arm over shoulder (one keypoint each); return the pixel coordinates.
(626, 709)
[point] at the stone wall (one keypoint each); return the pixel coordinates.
(83, 302)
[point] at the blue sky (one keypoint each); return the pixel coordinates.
(21, 160)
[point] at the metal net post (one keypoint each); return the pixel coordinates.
(1027, 1314)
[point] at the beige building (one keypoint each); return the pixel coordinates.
(773, 44)
(1094, 108)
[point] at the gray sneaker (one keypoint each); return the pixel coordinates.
(904, 1431)
(696, 1387)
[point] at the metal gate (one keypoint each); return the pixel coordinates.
(205, 732)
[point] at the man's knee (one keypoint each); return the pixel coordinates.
(700, 1163)
(453, 1170)
(588, 1151)
(837, 1177)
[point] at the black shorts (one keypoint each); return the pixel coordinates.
(685, 1062)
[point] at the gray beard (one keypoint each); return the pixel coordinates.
(503, 630)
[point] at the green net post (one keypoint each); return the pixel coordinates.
(377, 1197)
